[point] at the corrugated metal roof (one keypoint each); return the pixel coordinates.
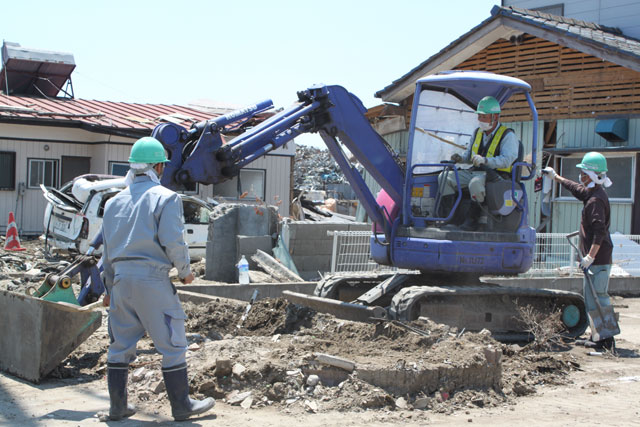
(587, 32)
(100, 115)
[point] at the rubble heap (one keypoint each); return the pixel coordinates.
(315, 167)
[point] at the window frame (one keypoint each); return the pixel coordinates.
(56, 172)
(250, 197)
(113, 163)
(12, 186)
(620, 200)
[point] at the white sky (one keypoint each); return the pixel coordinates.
(238, 52)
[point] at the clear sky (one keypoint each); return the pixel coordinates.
(238, 52)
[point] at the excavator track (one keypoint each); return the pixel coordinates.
(496, 308)
(473, 307)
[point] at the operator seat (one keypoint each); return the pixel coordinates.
(505, 215)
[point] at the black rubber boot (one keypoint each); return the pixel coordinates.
(473, 217)
(117, 382)
(605, 344)
(177, 384)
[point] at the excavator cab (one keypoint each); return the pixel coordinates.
(443, 122)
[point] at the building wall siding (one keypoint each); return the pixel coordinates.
(29, 142)
(581, 133)
(566, 216)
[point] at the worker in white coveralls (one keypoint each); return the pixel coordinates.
(143, 239)
(595, 240)
(493, 146)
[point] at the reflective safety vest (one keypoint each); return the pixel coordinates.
(493, 146)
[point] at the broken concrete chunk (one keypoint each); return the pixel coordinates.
(313, 380)
(223, 368)
(246, 403)
(401, 403)
(33, 274)
(275, 268)
(138, 375)
(235, 398)
(238, 369)
(421, 403)
(193, 347)
(261, 277)
(493, 355)
(338, 362)
(522, 389)
(310, 406)
(158, 387)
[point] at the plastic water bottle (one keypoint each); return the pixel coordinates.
(243, 271)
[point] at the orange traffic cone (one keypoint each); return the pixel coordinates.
(12, 242)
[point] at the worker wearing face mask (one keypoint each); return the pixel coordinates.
(493, 146)
(595, 240)
(143, 239)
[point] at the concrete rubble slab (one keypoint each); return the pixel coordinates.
(274, 267)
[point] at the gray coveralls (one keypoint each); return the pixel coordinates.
(143, 239)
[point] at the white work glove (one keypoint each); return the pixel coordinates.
(549, 171)
(478, 160)
(586, 262)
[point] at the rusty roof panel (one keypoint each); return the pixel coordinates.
(117, 115)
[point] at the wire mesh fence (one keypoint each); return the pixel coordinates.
(553, 255)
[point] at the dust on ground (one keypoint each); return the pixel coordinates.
(271, 359)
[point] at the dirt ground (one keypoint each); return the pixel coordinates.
(263, 373)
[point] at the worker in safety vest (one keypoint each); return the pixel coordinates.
(595, 240)
(492, 145)
(143, 239)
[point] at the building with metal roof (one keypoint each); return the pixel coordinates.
(47, 136)
(585, 78)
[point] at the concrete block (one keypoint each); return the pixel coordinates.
(227, 221)
(249, 245)
(621, 286)
(429, 379)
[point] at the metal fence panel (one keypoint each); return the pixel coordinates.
(553, 257)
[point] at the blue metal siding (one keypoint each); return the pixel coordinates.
(566, 217)
(581, 133)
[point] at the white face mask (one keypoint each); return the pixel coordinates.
(484, 125)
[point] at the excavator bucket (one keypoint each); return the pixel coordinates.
(40, 330)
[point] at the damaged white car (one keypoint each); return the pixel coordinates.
(74, 213)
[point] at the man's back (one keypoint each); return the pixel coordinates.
(143, 225)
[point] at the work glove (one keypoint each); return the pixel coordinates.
(586, 262)
(550, 172)
(456, 158)
(478, 160)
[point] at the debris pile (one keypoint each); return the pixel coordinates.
(315, 167)
(18, 270)
(290, 357)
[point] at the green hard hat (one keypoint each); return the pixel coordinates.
(147, 150)
(593, 161)
(488, 105)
